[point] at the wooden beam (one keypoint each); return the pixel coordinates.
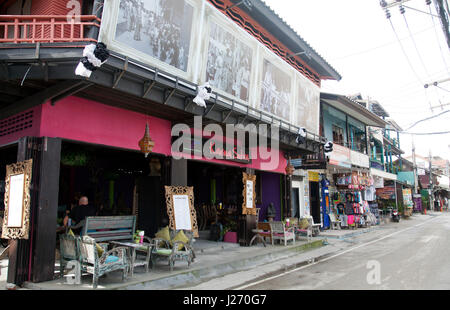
(39, 98)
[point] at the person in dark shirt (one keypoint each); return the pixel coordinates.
(80, 212)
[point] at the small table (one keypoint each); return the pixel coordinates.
(257, 235)
(133, 247)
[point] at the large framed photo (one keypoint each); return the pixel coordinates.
(158, 28)
(180, 208)
(275, 91)
(16, 219)
(229, 63)
(307, 105)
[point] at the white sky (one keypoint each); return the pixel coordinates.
(357, 39)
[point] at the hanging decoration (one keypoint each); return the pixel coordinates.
(301, 136)
(328, 148)
(204, 93)
(146, 143)
(290, 168)
(94, 55)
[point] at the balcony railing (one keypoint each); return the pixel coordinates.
(47, 28)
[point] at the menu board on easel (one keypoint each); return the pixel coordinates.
(180, 208)
(249, 205)
(16, 220)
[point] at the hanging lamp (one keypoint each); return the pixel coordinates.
(146, 143)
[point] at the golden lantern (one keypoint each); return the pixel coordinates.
(289, 168)
(146, 143)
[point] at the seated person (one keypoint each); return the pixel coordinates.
(80, 212)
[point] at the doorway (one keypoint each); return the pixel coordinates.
(315, 201)
(297, 201)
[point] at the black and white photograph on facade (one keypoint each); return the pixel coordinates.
(229, 63)
(307, 107)
(276, 91)
(159, 28)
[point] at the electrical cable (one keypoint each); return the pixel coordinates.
(438, 41)
(425, 133)
(404, 53)
(415, 45)
(376, 47)
(418, 53)
(443, 88)
(426, 119)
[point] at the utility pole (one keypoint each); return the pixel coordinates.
(414, 164)
(430, 186)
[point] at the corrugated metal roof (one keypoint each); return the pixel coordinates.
(326, 68)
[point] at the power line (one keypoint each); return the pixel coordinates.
(437, 39)
(425, 133)
(376, 47)
(415, 45)
(428, 118)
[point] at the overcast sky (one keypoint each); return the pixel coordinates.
(357, 39)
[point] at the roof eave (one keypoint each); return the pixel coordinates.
(291, 39)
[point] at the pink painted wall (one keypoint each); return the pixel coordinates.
(89, 121)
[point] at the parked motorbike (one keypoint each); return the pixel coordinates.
(395, 216)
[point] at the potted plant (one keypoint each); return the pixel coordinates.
(230, 232)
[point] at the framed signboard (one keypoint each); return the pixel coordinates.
(249, 205)
(180, 208)
(16, 220)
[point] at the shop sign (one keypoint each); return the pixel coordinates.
(312, 161)
(313, 176)
(340, 156)
(386, 192)
(16, 222)
(359, 159)
(407, 197)
(222, 151)
(378, 182)
(249, 194)
(376, 165)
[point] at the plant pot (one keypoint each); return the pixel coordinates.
(231, 237)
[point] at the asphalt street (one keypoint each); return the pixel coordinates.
(410, 255)
(413, 255)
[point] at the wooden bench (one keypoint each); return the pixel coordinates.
(110, 228)
(116, 228)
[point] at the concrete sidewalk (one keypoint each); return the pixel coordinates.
(213, 259)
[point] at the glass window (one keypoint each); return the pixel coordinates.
(357, 136)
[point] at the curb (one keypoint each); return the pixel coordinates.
(356, 233)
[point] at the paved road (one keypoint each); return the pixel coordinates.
(415, 254)
(412, 254)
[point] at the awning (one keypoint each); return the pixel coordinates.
(385, 175)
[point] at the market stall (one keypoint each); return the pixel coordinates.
(349, 200)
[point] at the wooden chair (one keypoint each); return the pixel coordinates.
(166, 249)
(115, 259)
(305, 230)
(315, 227)
(280, 232)
(69, 250)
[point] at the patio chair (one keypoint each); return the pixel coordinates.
(173, 250)
(280, 232)
(115, 259)
(69, 250)
(335, 222)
